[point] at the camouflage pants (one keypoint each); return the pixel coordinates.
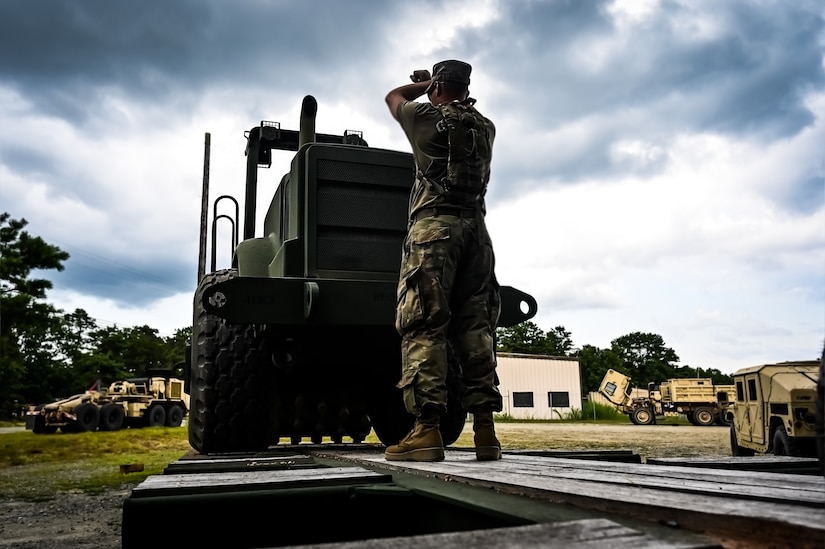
(448, 307)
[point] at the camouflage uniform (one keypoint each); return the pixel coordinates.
(448, 296)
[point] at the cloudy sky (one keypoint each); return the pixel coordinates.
(659, 164)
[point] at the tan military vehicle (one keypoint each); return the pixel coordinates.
(702, 402)
(775, 409)
(157, 400)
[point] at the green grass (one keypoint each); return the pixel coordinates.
(36, 466)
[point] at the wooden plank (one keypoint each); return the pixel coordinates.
(766, 463)
(598, 486)
(775, 485)
(210, 483)
(226, 464)
(624, 456)
(580, 534)
(799, 489)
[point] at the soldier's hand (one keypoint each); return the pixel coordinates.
(420, 75)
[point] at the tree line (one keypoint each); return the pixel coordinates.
(47, 353)
(643, 357)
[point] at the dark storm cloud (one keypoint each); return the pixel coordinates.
(63, 55)
(133, 285)
(747, 76)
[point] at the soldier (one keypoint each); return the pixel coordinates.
(448, 296)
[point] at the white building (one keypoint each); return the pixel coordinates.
(539, 387)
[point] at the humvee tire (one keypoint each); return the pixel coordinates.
(112, 417)
(704, 416)
(782, 444)
(233, 397)
(735, 449)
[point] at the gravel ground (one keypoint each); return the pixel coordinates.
(74, 521)
(81, 521)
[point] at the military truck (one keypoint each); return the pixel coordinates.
(702, 402)
(775, 409)
(296, 339)
(156, 400)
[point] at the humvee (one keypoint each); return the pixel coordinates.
(775, 409)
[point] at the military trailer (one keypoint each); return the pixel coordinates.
(296, 340)
(153, 401)
(775, 409)
(702, 402)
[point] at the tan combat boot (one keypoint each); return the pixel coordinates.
(424, 442)
(488, 448)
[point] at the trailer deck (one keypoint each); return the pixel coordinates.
(349, 496)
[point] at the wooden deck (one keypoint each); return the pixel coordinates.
(739, 508)
(528, 499)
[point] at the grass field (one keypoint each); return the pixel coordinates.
(38, 466)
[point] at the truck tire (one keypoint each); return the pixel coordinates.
(155, 416)
(643, 416)
(233, 398)
(111, 417)
(735, 449)
(174, 416)
(722, 418)
(783, 445)
(704, 416)
(88, 417)
(40, 427)
(690, 418)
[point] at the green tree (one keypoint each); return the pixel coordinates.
(27, 323)
(594, 363)
(558, 342)
(176, 349)
(525, 337)
(718, 377)
(528, 338)
(645, 357)
(132, 351)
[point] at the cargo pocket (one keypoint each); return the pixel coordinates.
(407, 386)
(409, 313)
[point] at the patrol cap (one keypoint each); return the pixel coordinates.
(450, 70)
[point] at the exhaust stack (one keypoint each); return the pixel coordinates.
(306, 131)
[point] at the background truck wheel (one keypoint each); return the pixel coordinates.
(156, 416)
(88, 417)
(782, 444)
(643, 416)
(232, 398)
(40, 427)
(690, 418)
(174, 416)
(111, 417)
(722, 418)
(704, 416)
(735, 449)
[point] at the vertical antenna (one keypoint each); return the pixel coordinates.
(204, 208)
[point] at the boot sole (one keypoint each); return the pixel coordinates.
(488, 453)
(420, 454)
